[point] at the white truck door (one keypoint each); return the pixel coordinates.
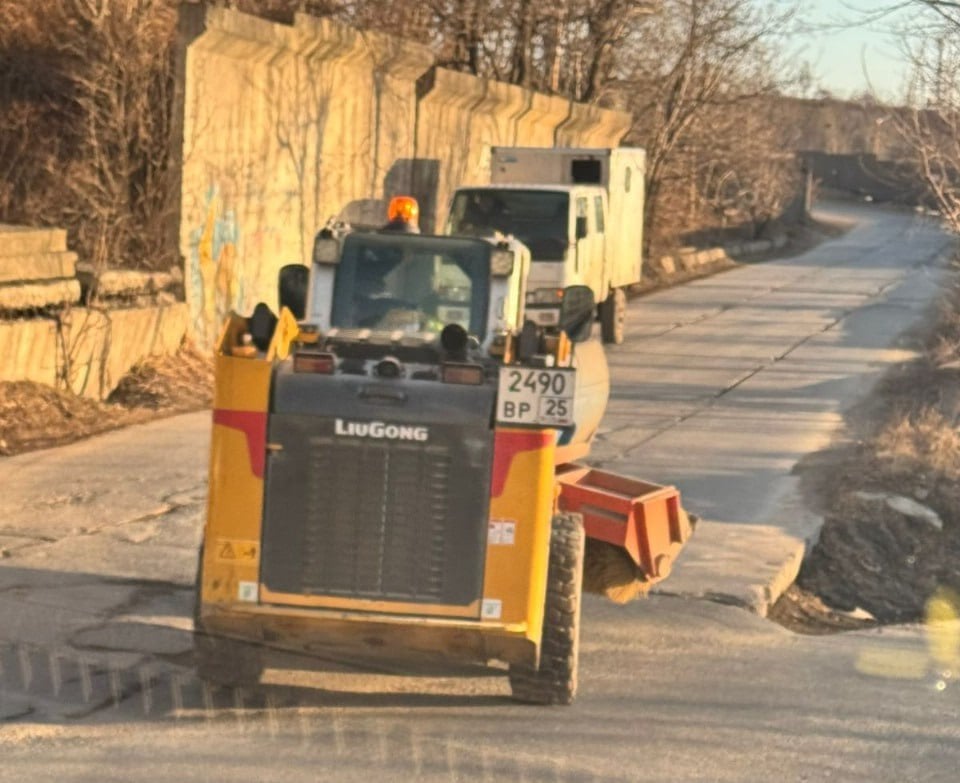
(588, 264)
(600, 274)
(581, 260)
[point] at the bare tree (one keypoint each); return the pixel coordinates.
(697, 61)
(86, 85)
(930, 122)
(96, 78)
(570, 47)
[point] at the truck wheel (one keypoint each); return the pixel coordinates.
(219, 660)
(555, 681)
(613, 316)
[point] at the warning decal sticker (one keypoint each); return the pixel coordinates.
(234, 551)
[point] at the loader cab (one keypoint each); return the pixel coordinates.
(396, 284)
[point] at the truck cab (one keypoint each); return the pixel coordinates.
(580, 212)
(563, 227)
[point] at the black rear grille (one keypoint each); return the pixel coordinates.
(386, 520)
(386, 510)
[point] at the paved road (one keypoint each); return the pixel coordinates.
(725, 384)
(754, 366)
(674, 690)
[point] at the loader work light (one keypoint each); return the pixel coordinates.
(389, 367)
(314, 361)
(326, 250)
(404, 209)
(467, 374)
(501, 262)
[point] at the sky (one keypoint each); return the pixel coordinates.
(839, 53)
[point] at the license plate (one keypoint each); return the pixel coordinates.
(535, 397)
(544, 317)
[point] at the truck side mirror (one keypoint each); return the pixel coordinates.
(581, 227)
(577, 312)
(293, 281)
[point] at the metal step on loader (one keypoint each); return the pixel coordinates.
(394, 470)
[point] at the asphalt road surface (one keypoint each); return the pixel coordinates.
(724, 385)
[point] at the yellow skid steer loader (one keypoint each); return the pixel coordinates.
(394, 471)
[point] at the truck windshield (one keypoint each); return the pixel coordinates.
(411, 283)
(538, 218)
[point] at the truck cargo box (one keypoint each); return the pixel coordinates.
(619, 170)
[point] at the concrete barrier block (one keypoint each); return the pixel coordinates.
(139, 333)
(25, 240)
(717, 255)
(103, 345)
(37, 267)
(32, 296)
(30, 350)
(667, 265)
(122, 282)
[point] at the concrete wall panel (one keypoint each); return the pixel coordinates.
(50, 293)
(590, 126)
(99, 347)
(286, 126)
(37, 266)
(29, 349)
(91, 349)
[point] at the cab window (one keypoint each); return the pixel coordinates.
(412, 284)
(598, 210)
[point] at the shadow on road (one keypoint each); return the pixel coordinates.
(76, 645)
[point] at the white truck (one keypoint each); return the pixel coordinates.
(578, 210)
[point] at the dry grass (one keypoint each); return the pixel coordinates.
(86, 125)
(923, 443)
(182, 381)
(906, 442)
(34, 416)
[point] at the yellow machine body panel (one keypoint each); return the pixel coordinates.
(505, 624)
(522, 503)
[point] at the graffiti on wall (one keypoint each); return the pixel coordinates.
(230, 268)
(216, 279)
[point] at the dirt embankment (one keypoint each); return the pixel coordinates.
(890, 496)
(34, 416)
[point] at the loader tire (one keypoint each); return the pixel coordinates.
(219, 660)
(613, 316)
(555, 680)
